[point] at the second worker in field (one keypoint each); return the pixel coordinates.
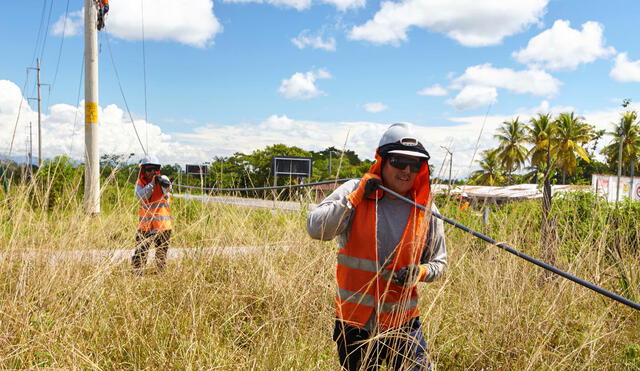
(154, 217)
(386, 246)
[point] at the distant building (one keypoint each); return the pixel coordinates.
(517, 192)
(605, 185)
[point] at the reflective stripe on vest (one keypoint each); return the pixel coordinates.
(369, 300)
(154, 206)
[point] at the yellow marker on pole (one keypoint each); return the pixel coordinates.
(90, 113)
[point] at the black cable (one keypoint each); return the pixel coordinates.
(517, 253)
(264, 188)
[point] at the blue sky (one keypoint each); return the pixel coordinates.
(227, 76)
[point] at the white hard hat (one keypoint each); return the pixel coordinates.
(399, 139)
(149, 160)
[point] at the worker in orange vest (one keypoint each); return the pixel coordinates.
(103, 8)
(154, 217)
(386, 247)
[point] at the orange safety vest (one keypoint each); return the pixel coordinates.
(154, 214)
(362, 284)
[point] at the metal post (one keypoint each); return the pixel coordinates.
(330, 162)
(39, 116)
(450, 167)
(30, 150)
(621, 133)
(450, 163)
(633, 168)
(92, 164)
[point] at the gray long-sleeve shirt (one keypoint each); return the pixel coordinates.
(144, 193)
(333, 217)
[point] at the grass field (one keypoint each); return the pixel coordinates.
(272, 309)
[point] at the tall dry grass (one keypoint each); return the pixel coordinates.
(271, 308)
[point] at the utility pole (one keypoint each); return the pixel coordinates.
(450, 164)
(39, 99)
(91, 155)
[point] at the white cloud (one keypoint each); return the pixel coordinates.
(375, 107)
(63, 131)
(435, 91)
(625, 70)
(71, 26)
(474, 96)
(188, 22)
(305, 39)
(303, 85)
(344, 5)
(532, 81)
(470, 22)
(564, 48)
(202, 143)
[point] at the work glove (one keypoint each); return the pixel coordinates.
(368, 184)
(410, 276)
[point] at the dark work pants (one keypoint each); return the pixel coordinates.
(144, 240)
(402, 349)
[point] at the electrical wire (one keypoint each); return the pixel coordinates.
(115, 70)
(64, 29)
(264, 188)
(144, 74)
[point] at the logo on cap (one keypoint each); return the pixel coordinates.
(409, 142)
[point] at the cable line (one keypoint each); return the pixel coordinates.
(115, 70)
(64, 29)
(522, 255)
(46, 31)
(264, 188)
(75, 116)
(15, 127)
(35, 49)
(144, 74)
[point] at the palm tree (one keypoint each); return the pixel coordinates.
(540, 134)
(512, 153)
(490, 172)
(631, 144)
(571, 132)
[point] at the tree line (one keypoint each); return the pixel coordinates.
(558, 149)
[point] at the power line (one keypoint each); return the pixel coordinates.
(115, 70)
(35, 49)
(46, 30)
(64, 29)
(75, 117)
(15, 127)
(144, 70)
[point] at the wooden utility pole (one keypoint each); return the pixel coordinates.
(91, 153)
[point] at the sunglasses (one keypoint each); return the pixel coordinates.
(401, 163)
(148, 169)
